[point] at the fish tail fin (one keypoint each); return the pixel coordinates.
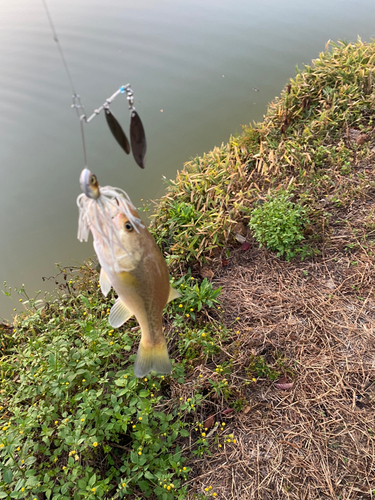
(150, 359)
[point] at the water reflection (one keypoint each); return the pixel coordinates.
(196, 61)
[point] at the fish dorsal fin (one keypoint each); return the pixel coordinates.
(173, 294)
(105, 284)
(119, 314)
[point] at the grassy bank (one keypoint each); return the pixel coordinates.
(270, 239)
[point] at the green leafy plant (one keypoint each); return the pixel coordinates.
(74, 421)
(194, 296)
(278, 224)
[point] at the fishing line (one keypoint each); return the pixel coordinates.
(137, 133)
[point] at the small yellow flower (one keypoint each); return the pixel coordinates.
(214, 494)
(95, 444)
(140, 418)
(111, 343)
(82, 419)
(2, 445)
(165, 486)
(22, 489)
(234, 441)
(183, 468)
(125, 376)
(220, 445)
(223, 424)
(93, 490)
(66, 383)
(146, 379)
(203, 434)
(180, 305)
(168, 487)
(18, 449)
(55, 459)
(139, 453)
(152, 395)
(188, 315)
(20, 300)
(123, 485)
(191, 309)
(64, 468)
(84, 313)
(203, 334)
(22, 461)
(254, 379)
(83, 380)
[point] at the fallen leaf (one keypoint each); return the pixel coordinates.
(209, 422)
(240, 238)
(361, 139)
(283, 384)
(225, 262)
(228, 411)
(206, 272)
(245, 246)
(247, 409)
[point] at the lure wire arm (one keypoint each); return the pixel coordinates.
(77, 104)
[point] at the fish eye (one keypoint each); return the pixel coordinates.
(128, 226)
(92, 180)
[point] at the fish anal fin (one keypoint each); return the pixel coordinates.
(105, 284)
(150, 359)
(173, 294)
(119, 314)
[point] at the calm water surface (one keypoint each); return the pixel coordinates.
(192, 66)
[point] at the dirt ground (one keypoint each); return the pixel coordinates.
(314, 440)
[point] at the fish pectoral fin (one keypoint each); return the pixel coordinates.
(119, 314)
(105, 284)
(173, 294)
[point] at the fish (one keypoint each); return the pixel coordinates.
(132, 263)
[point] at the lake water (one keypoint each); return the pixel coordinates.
(193, 67)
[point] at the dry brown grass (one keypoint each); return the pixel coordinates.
(316, 440)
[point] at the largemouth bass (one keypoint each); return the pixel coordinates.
(132, 264)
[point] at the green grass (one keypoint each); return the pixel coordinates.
(302, 145)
